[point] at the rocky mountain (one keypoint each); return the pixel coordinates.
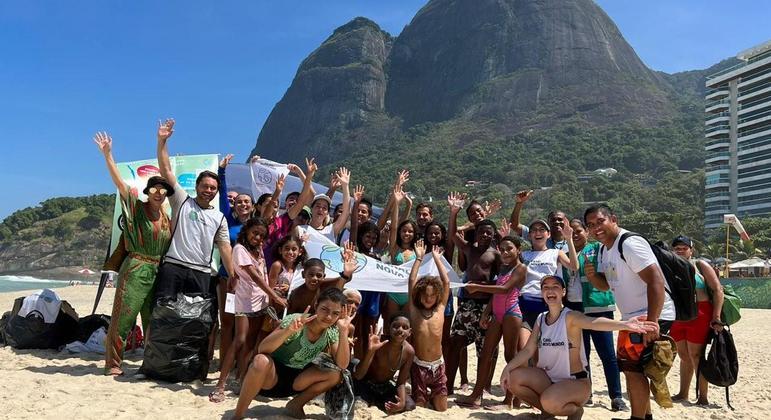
(518, 64)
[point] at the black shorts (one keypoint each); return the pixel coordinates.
(173, 279)
(375, 394)
(283, 388)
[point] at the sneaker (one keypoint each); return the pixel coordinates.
(618, 404)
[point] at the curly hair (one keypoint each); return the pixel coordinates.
(276, 250)
(420, 289)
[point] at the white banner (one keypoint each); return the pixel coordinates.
(372, 274)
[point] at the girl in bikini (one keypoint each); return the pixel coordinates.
(506, 320)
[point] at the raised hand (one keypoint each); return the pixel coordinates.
(310, 166)
(402, 177)
(334, 181)
(523, 196)
(344, 175)
(420, 248)
(374, 339)
(438, 252)
(492, 208)
(567, 230)
(104, 142)
(344, 322)
(399, 194)
(358, 193)
(280, 182)
(226, 160)
(456, 201)
(165, 129)
(505, 228)
(298, 323)
(293, 168)
(350, 264)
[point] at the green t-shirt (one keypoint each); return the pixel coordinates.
(594, 300)
(297, 352)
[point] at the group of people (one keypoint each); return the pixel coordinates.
(547, 290)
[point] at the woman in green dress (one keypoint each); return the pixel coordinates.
(146, 235)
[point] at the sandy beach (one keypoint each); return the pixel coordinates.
(49, 384)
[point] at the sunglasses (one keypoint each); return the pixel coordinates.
(161, 191)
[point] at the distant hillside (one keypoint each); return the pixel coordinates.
(510, 94)
(58, 237)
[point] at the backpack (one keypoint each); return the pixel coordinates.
(721, 365)
(732, 304)
(680, 276)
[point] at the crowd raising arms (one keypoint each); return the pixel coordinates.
(504, 296)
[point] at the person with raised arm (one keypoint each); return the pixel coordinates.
(483, 264)
(428, 297)
(559, 385)
(146, 237)
(198, 227)
(321, 207)
(283, 366)
(373, 377)
(236, 214)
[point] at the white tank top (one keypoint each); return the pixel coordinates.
(554, 348)
(539, 264)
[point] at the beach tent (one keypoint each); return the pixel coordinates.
(755, 265)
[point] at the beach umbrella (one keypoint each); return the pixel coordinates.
(86, 271)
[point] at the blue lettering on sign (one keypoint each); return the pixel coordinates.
(391, 270)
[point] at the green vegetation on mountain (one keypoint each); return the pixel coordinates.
(60, 232)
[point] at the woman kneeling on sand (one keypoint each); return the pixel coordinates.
(559, 385)
(283, 367)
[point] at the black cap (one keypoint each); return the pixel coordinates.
(558, 278)
(155, 180)
(682, 239)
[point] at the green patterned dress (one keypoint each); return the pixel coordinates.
(146, 242)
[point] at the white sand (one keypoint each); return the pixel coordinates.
(48, 384)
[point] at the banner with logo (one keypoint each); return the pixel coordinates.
(372, 274)
(136, 174)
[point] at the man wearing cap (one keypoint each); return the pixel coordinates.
(321, 205)
(197, 227)
(639, 287)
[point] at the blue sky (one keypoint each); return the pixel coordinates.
(72, 68)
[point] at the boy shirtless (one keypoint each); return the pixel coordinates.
(373, 377)
(483, 262)
(314, 274)
(428, 298)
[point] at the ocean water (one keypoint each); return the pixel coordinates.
(15, 283)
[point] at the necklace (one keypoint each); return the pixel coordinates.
(430, 313)
(398, 362)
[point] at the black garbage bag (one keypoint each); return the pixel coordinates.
(88, 324)
(31, 332)
(177, 343)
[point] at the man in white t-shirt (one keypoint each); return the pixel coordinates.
(197, 227)
(639, 287)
